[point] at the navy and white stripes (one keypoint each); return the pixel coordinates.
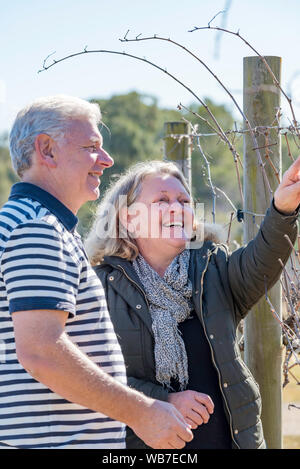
(43, 266)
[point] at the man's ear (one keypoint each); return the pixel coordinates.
(43, 145)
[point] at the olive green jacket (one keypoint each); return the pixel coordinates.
(225, 287)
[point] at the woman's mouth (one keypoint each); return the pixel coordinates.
(173, 224)
(174, 229)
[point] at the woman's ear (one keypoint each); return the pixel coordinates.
(194, 227)
(123, 214)
(124, 219)
(127, 221)
(194, 223)
(43, 146)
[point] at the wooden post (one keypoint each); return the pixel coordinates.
(178, 149)
(262, 333)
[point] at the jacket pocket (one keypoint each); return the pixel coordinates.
(250, 374)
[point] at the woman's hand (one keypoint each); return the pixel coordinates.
(195, 407)
(287, 194)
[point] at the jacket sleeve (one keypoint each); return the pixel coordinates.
(148, 388)
(255, 267)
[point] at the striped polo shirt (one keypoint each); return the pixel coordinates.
(43, 265)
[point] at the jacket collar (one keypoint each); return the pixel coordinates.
(22, 190)
(126, 265)
(198, 263)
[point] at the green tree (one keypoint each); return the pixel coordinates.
(133, 131)
(7, 175)
(217, 153)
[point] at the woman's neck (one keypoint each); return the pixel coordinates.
(156, 260)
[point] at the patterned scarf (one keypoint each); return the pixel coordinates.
(170, 303)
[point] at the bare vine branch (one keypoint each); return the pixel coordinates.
(247, 123)
(275, 81)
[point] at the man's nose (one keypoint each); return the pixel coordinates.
(105, 159)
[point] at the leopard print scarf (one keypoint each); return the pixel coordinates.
(170, 303)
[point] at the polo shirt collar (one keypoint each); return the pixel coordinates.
(21, 190)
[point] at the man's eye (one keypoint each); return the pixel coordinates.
(91, 148)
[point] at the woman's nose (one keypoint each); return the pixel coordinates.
(175, 207)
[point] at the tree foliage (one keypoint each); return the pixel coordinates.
(133, 130)
(7, 175)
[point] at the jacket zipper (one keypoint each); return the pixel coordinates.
(212, 352)
(144, 294)
(136, 284)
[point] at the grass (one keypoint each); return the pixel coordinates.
(291, 395)
(291, 392)
(291, 442)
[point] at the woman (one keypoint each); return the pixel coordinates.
(176, 309)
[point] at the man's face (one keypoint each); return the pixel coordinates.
(81, 161)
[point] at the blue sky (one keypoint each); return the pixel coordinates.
(32, 29)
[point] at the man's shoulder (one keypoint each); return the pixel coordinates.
(24, 211)
(21, 217)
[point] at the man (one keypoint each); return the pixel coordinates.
(63, 379)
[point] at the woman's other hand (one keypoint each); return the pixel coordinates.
(287, 194)
(195, 407)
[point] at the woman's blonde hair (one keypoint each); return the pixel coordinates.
(110, 243)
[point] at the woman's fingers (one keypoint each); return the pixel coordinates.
(193, 424)
(175, 443)
(195, 407)
(206, 400)
(199, 414)
(195, 419)
(200, 410)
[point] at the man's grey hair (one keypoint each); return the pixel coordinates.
(48, 115)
